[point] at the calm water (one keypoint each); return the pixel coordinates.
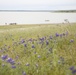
(35, 17)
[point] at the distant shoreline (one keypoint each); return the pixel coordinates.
(40, 24)
(65, 11)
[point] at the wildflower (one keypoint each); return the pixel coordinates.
(13, 66)
(9, 60)
(39, 56)
(42, 39)
(25, 45)
(47, 42)
(27, 64)
(74, 71)
(33, 46)
(23, 73)
(71, 40)
(57, 34)
(4, 57)
(72, 68)
(12, 62)
(22, 41)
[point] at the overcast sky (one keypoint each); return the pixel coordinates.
(37, 4)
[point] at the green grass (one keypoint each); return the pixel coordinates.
(49, 56)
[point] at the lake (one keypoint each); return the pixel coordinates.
(35, 17)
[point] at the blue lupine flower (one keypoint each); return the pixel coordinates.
(74, 71)
(9, 60)
(12, 62)
(22, 41)
(4, 57)
(25, 45)
(42, 39)
(13, 66)
(27, 64)
(71, 40)
(33, 46)
(72, 68)
(47, 42)
(57, 34)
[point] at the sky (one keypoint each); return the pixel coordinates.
(37, 4)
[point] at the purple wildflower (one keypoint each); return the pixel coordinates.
(27, 64)
(47, 42)
(71, 40)
(13, 66)
(4, 57)
(42, 39)
(22, 41)
(9, 60)
(74, 71)
(33, 46)
(12, 62)
(25, 45)
(57, 34)
(71, 68)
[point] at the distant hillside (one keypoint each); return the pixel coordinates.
(65, 11)
(38, 11)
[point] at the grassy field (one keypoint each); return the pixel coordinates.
(38, 49)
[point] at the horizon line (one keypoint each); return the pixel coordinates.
(37, 10)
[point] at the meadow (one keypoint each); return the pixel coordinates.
(38, 49)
